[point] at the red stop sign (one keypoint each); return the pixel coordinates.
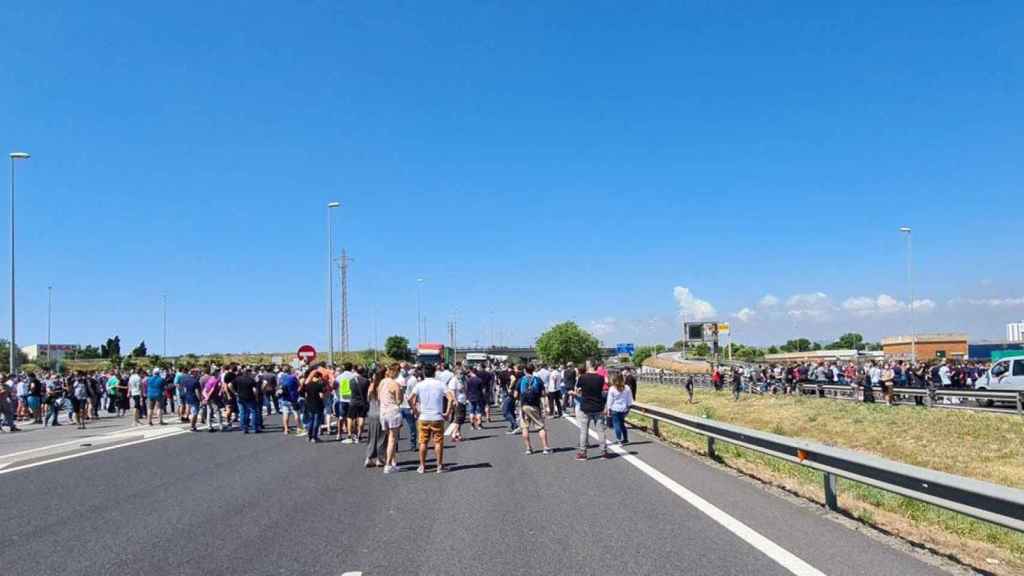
(306, 352)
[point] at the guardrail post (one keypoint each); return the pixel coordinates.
(831, 501)
(1020, 403)
(655, 428)
(711, 448)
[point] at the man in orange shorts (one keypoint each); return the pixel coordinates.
(428, 400)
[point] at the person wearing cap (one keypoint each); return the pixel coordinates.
(155, 396)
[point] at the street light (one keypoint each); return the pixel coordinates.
(14, 157)
(910, 284)
(330, 281)
(419, 314)
(49, 324)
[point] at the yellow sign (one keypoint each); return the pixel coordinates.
(723, 328)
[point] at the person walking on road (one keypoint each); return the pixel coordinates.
(214, 402)
(359, 405)
(247, 390)
(531, 393)
(428, 400)
(190, 391)
(313, 391)
(620, 399)
(80, 399)
(390, 398)
(155, 396)
(508, 404)
(589, 391)
(374, 430)
(288, 400)
(408, 382)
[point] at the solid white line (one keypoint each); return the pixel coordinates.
(352, 574)
(128, 432)
(96, 451)
(783, 557)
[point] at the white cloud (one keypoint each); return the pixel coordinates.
(745, 314)
(604, 326)
(989, 302)
(768, 301)
(882, 305)
(814, 306)
(692, 308)
(925, 305)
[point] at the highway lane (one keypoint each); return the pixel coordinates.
(270, 504)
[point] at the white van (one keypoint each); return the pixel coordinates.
(1005, 375)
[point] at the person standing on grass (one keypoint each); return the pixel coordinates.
(589, 390)
(428, 401)
(531, 393)
(390, 398)
(737, 383)
(689, 388)
(620, 399)
(155, 396)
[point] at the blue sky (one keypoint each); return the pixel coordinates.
(611, 163)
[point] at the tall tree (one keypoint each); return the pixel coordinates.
(567, 342)
(140, 350)
(397, 347)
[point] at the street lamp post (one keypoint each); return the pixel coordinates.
(49, 323)
(163, 301)
(330, 281)
(910, 286)
(14, 157)
(419, 313)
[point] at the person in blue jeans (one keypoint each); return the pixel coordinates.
(409, 382)
(313, 391)
(247, 391)
(617, 405)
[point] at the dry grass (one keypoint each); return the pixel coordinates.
(979, 445)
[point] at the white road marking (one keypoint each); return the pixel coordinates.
(352, 574)
(146, 438)
(780, 555)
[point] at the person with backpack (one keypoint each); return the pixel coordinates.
(508, 405)
(531, 391)
(589, 391)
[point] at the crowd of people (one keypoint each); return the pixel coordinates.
(357, 404)
(867, 378)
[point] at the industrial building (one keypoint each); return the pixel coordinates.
(52, 351)
(944, 345)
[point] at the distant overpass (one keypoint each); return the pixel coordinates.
(523, 352)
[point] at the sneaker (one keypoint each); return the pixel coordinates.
(528, 452)
(546, 451)
(346, 441)
(510, 432)
(604, 454)
(420, 470)
(440, 469)
(581, 455)
(517, 430)
(388, 470)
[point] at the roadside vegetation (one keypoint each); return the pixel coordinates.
(979, 445)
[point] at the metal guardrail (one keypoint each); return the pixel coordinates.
(930, 396)
(983, 500)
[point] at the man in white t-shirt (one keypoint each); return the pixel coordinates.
(427, 400)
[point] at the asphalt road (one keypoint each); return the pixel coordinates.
(226, 503)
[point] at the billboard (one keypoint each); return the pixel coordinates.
(702, 331)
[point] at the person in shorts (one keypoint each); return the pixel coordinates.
(155, 396)
(288, 400)
(390, 397)
(190, 390)
(531, 391)
(428, 400)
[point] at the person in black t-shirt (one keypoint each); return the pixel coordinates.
(313, 394)
(590, 391)
(247, 389)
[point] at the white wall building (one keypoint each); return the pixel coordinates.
(1015, 332)
(56, 351)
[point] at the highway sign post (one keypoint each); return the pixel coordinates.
(306, 353)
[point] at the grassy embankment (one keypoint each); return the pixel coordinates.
(978, 445)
